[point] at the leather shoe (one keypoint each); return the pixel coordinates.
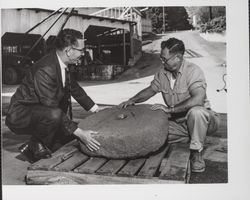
(40, 151)
(25, 150)
(35, 151)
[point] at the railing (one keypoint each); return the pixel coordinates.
(111, 12)
(122, 13)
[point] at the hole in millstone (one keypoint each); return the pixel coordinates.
(121, 116)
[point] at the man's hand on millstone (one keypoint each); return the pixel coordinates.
(102, 108)
(127, 103)
(86, 136)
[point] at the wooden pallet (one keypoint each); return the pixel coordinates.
(70, 166)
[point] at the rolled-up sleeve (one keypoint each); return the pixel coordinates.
(196, 79)
(156, 83)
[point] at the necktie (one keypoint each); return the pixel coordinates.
(68, 92)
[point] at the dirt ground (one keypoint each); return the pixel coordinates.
(212, 60)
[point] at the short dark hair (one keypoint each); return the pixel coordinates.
(174, 45)
(67, 37)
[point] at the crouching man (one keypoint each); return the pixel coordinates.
(40, 104)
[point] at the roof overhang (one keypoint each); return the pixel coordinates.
(83, 16)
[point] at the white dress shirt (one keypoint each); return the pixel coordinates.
(63, 67)
(172, 82)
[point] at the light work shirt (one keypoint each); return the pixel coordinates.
(189, 77)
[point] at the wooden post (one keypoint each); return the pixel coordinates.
(99, 48)
(124, 48)
(131, 27)
(210, 13)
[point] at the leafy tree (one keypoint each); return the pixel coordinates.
(217, 25)
(176, 18)
(209, 18)
(206, 13)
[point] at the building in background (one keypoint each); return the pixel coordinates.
(113, 36)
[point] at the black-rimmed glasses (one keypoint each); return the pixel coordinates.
(165, 60)
(81, 50)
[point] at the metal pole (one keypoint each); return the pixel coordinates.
(67, 18)
(43, 21)
(163, 17)
(45, 33)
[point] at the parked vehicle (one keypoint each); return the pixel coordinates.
(15, 62)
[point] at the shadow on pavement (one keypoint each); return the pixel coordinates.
(11, 141)
(216, 172)
(23, 158)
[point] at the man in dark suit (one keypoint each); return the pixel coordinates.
(40, 104)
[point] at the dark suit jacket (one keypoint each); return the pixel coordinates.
(43, 85)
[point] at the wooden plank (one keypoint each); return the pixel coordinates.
(71, 163)
(132, 167)
(188, 175)
(152, 163)
(40, 177)
(177, 163)
(92, 165)
(111, 167)
(59, 156)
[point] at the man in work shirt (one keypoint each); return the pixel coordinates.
(183, 87)
(40, 104)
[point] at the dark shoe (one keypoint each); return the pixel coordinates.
(25, 150)
(197, 161)
(35, 151)
(40, 151)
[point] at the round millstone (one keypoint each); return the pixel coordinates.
(132, 132)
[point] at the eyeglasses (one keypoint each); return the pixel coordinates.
(165, 60)
(81, 50)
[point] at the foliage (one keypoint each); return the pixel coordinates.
(205, 13)
(208, 13)
(209, 18)
(176, 18)
(217, 25)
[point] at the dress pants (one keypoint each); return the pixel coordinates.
(196, 124)
(45, 125)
